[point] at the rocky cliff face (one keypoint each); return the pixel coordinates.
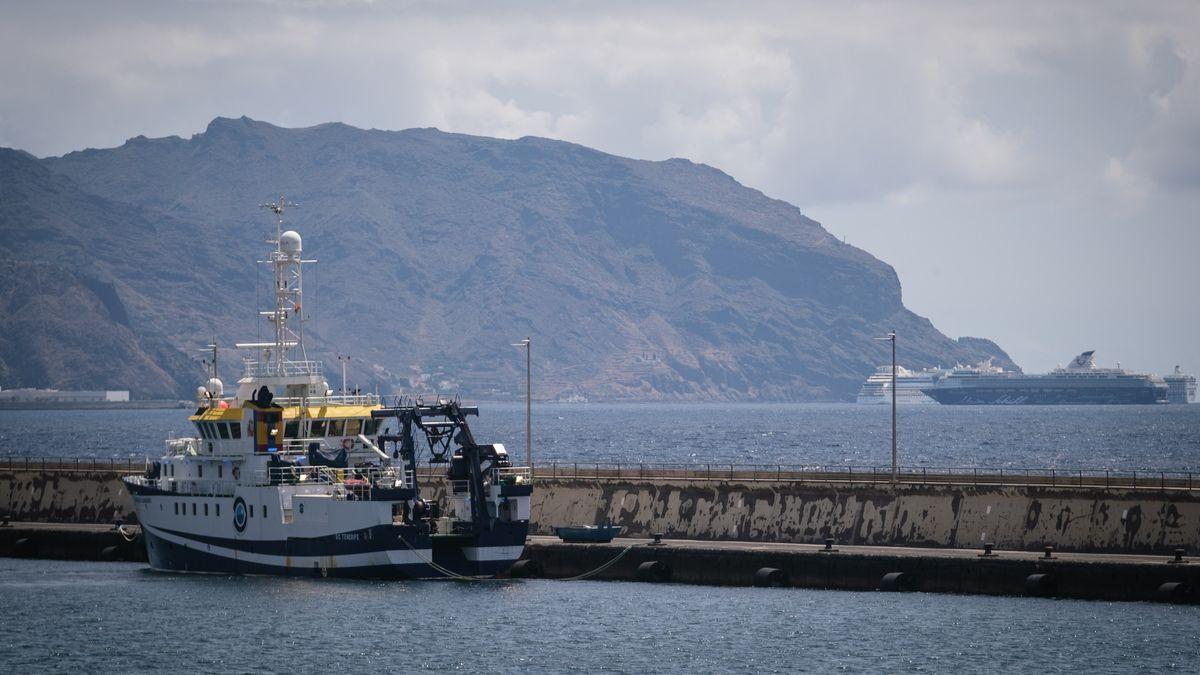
(654, 280)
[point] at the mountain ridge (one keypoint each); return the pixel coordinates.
(638, 279)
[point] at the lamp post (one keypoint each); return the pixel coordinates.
(527, 343)
(891, 337)
(344, 358)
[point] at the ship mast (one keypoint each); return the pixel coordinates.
(286, 261)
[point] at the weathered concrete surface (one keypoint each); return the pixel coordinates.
(65, 496)
(1015, 518)
(1018, 518)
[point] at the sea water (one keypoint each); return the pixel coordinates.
(73, 616)
(1158, 437)
(119, 617)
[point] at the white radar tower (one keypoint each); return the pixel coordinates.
(289, 296)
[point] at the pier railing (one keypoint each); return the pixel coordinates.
(1134, 479)
(923, 475)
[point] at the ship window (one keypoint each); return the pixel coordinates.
(200, 471)
(291, 429)
(264, 510)
(251, 510)
(318, 428)
(369, 427)
(218, 507)
(235, 430)
(223, 429)
(353, 427)
(206, 509)
(176, 508)
(220, 470)
(193, 508)
(336, 427)
(211, 430)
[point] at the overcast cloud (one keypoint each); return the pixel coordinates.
(1032, 171)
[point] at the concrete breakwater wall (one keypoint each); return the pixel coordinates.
(1083, 519)
(64, 496)
(1013, 517)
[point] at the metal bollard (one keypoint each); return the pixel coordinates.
(988, 550)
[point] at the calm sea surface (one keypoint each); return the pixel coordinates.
(67, 616)
(1060, 437)
(103, 617)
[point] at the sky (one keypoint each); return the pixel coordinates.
(1031, 170)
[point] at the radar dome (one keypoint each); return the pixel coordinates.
(201, 393)
(215, 387)
(289, 242)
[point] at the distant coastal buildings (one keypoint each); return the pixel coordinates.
(27, 395)
(63, 399)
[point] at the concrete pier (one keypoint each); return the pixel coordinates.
(868, 568)
(861, 568)
(1112, 536)
(1085, 513)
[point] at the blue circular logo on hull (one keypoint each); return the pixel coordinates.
(239, 514)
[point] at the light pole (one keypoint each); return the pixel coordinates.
(891, 337)
(527, 343)
(344, 358)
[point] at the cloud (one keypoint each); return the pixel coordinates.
(815, 103)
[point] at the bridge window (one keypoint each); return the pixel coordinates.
(318, 428)
(235, 430)
(370, 427)
(223, 429)
(291, 429)
(336, 427)
(353, 427)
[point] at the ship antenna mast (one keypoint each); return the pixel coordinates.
(288, 294)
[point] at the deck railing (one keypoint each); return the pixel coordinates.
(1136, 479)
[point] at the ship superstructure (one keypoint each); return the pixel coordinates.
(286, 477)
(1181, 387)
(1081, 382)
(909, 385)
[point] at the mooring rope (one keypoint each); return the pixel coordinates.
(610, 563)
(463, 577)
(450, 573)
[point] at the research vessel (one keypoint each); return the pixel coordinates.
(286, 477)
(1081, 382)
(909, 385)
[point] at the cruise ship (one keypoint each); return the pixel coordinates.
(285, 477)
(1081, 382)
(1181, 387)
(909, 386)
